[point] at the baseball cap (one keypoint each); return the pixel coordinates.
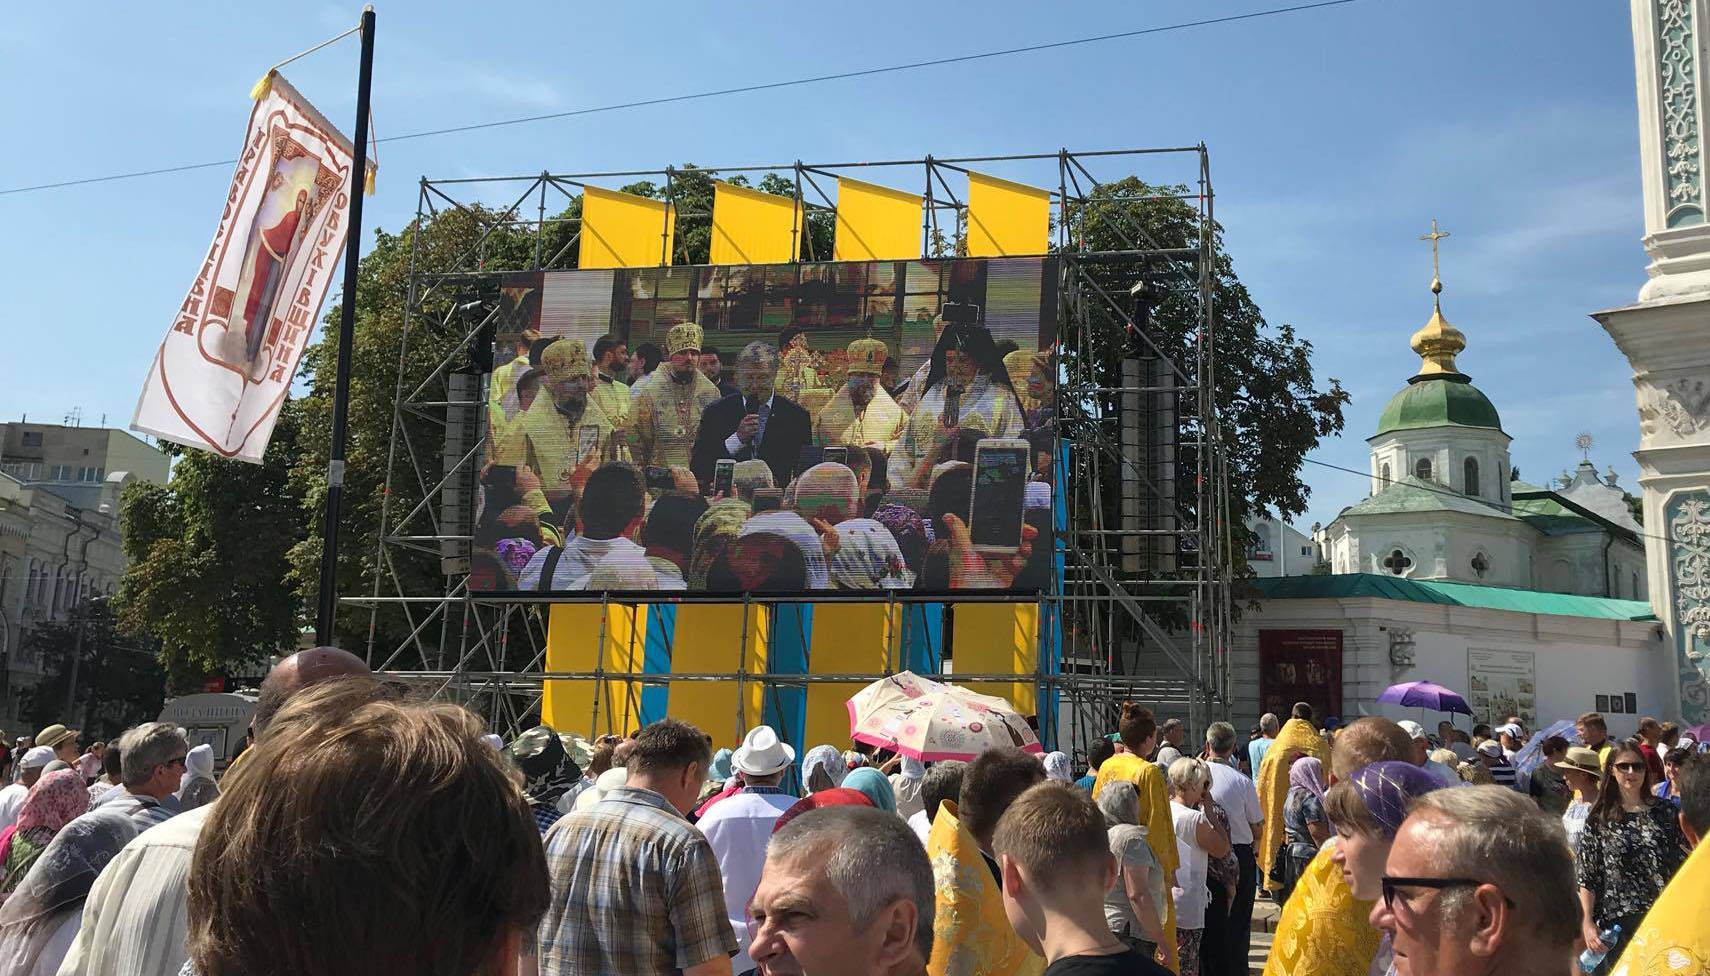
(36, 758)
(1511, 730)
(1491, 748)
(1413, 729)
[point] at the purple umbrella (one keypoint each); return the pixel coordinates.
(1424, 694)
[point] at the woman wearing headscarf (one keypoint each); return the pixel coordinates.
(803, 536)
(1134, 907)
(913, 534)
(868, 558)
(1057, 767)
(1297, 737)
(905, 783)
(57, 799)
(40, 919)
(716, 529)
(872, 784)
(198, 787)
(967, 389)
(823, 768)
(1304, 821)
(1367, 810)
(549, 774)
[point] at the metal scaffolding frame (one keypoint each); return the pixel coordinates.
(1141, 607)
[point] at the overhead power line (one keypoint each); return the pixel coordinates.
(741, 90)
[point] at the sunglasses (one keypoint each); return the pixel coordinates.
(1629, 767)
(1390, 884)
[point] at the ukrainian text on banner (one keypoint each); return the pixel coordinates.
(227, 362)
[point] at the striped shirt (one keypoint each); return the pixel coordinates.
(1503, 774)
(635, 890)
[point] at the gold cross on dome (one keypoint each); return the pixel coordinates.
(1435, 236)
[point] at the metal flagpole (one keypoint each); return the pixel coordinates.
(346, 332)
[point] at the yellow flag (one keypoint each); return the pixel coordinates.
(1006, 218)
(622, 230)
(750, 227)
(876, 223)
(573, 633)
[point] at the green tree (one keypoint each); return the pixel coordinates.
(119, 682)
(207, 578)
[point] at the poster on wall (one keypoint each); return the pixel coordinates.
(1502, 683)
(1300, 665)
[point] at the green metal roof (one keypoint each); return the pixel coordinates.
(1409, 494)
(1449, 402)
(1346, 585)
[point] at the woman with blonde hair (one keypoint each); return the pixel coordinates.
(1198, 841)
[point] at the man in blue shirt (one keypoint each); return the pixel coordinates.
(1256, 749)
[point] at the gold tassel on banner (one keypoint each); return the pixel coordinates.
(262, 87)
(368, 180)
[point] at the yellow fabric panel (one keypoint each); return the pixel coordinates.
(1323, 930)
(970, 932)
(709, 638)
(1154, 792)
(1006, 218)
(848, 638)
(998, 638)
(622, 230)
(876, 223)
(1296, 738)
(750, 227)
(1675, 935)
(572, 634)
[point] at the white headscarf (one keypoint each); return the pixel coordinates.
(867, 557)
(1057, 768)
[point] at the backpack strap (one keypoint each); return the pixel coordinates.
(548, 568)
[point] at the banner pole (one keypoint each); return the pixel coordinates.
(346, 333)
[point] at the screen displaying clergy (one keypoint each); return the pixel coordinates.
(667, 415)
(861, 413)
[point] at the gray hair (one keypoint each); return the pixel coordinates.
(757, 353)
(749, 475)
(1220, 736)
(871, 858)
(943, 781)
(1119, 801)
(1268, 724)
(1186, 773)
(1501, 837)
(147, 746)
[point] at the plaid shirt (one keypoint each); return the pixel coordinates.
(635, 891)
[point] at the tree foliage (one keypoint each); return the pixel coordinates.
(119, 680)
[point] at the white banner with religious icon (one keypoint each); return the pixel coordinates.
(226, 364)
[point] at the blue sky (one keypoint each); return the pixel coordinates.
(1335, 136)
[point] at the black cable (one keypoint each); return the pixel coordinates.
(745, 89)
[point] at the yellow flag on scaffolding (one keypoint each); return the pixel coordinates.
(998, 638)
(848, 638)
(622, 230)
(876, 223)
(594, 707)
(1006, 219)
(713, 638)
(750, 227)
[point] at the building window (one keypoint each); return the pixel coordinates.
(1306, 550)
(1480, 565)
(1397, 562)
(1635, 586)
(32, 438)
(1470, 469)
(1385, 474)
(1422, 469)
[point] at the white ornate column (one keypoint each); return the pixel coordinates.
(1666, 335)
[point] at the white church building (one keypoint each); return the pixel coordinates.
(1529, 600)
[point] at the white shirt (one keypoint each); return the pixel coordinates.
(133, 920)
(1234, 792)
(11, 801)
(1190, 891)
(909, 801)
(737, 828)
(921, 826)
(581, 555)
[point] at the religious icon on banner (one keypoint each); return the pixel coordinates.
(225, 366)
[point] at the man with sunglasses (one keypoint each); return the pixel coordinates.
(1479, 881)
(150, 775)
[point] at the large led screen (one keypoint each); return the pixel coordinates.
(771, 429)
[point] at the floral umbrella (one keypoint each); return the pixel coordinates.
(951, 724)
(871, 708)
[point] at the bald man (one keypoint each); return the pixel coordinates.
(1331, 933)
(133, 921)
(827, 491)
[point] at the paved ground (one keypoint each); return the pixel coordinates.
(1265, 914)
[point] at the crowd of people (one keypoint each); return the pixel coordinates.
(364, 830)
(692, 476)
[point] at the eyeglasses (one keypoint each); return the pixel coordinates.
(1390, 884)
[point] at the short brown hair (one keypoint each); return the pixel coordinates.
(1302, 711)
(601, 760)
(990, 784)
(1366, 741)
(1136, 725)
(1593, 718)
(1056, 834)
(1647, 723)
(386, 830)
(669, 744)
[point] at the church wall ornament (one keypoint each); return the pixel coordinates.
(1677, 93)
(1687, 516)
(1680, 407)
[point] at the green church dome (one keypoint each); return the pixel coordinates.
(1442, 401)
